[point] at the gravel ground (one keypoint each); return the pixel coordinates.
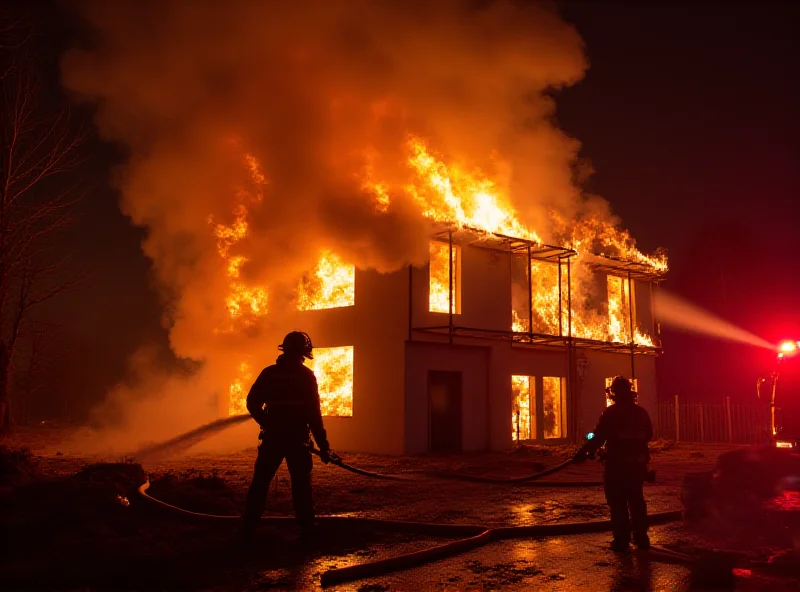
(170, 553)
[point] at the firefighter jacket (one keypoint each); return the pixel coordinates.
(284, 400)
(625, 429)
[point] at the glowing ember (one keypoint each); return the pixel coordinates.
(439, 299)
(333, 367)
(522, 421)
(330, 285)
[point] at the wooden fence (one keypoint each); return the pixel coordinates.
(717, 421)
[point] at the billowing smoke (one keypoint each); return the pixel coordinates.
(294, 111)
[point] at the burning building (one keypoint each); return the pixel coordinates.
(495, 339)
(446, 357)
(387, 177)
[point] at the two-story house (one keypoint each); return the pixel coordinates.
(495, 340)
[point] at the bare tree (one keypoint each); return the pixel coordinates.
(39, 143)
(34, 360)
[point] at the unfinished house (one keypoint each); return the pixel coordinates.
(497, 340)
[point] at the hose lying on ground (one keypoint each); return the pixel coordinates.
(335, 459)
(478, 535)
(396, 525)
(528, 479)
(409, 560)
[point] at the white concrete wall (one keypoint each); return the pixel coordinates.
(473, 363)
(485, 292)
(377, 327)
(486, 304)
(390, 407)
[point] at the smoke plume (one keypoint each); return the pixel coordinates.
(293, 111)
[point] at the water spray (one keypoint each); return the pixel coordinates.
(185, 441)
(681, 315)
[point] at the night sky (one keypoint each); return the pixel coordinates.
(689, 116)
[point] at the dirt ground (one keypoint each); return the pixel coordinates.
(76, 523)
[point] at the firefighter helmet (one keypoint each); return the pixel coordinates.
(620, 387)
(297, 343)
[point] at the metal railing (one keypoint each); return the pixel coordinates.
(720, 421)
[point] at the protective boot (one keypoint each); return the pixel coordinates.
(642, 542)
(309, 530)
(619, 546)
(247, 533)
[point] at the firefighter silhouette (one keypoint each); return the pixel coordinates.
(625, 429)
(284, 401)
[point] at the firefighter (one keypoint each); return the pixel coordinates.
(284, 401)
(625, 429)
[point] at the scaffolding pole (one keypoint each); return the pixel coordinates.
(530, 296)
(572, 374)
(653, 317)
(630, 316)
(450, 293)
(410, 302)
(560, 304)
(569, 301)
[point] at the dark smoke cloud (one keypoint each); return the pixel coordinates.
(319, 92)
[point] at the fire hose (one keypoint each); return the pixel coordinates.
(477, 535)
(189, 439)
(528, 479)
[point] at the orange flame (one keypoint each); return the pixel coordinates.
(330, 285)
(522, 419)
(333, 367)
(448, 194)
(237, 401)
(440, 294)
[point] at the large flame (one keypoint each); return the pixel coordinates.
(237, 401)
(333, 367)
(452, 195)
(522, 421)
(619, 310)
(586, 322)
(464, 199)
(242, 301)
(330, 285)
(440, 278)
(554, 407)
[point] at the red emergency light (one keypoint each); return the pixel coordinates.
(788, 348)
